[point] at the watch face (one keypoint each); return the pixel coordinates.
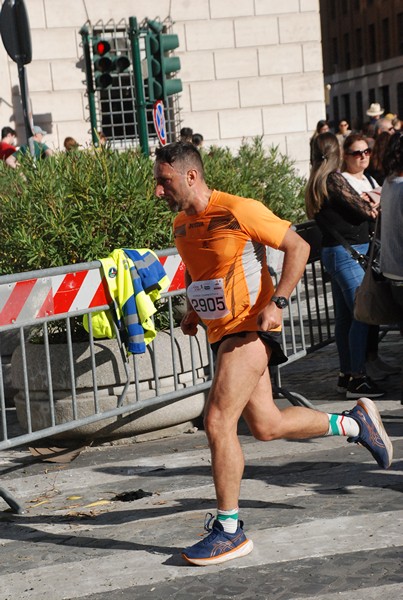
(280, 301)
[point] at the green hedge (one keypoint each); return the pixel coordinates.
(77, 207)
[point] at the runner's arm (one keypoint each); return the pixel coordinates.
(296, 253)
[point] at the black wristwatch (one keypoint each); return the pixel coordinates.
(279, 301)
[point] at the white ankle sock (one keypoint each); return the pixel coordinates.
(228, 519)
(342, 425)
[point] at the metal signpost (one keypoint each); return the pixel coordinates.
(16, 36)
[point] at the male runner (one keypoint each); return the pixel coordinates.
(221, 239)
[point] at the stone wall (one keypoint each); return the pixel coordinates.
(249, 67)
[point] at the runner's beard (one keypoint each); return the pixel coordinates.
(173, 205)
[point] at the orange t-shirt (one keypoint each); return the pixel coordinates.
(224, 251)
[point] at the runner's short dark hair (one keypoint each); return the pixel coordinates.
(181, 152)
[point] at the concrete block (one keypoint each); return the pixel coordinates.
(110, 378)
(303, 27)
(63, 106)
(209, 35)
(312, 57)
(66, 75)
(256, 31)
(36, 13)
(51, 44)
(315, 111)
(275, 60)
(236, 63)
(151, 419)
(79, 130)
(7, 71)
(185, 99)
(298, 146)
(289, 118)
(60, 13)
(110, 371)
(205, 123)
(235, 8)
(272, 7)
(214, 95)
(188, 10)
(309, 5)
(305, 87)
(180, 32)
(303, 168)
(39, 76)
(261, 91)
(105, 9)
(246, 122)
(197, 66)
(9, 341)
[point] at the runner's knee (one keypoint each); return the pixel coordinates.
(264, 432)
(218, 424)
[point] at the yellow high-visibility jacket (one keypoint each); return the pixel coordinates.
(135, 280)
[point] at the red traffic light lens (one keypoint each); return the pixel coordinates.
(102, 47)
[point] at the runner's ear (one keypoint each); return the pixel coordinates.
(192, 176)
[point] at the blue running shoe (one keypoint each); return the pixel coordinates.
(372, 432)
(218, 546)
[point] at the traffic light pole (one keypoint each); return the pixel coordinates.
(26, 112)
(138, 83)
(90, 84)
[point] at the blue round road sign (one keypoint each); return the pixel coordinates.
(159, 121)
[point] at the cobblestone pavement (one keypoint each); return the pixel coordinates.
(326, 522)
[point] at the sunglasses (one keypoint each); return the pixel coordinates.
(360, 153)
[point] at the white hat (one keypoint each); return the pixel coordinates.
(375, 110)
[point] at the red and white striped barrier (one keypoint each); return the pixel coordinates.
(22, 302)
(175, 269)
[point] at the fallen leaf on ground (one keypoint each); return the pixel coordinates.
(97, 503)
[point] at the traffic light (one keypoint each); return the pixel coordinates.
(106, 64)
(160, 65)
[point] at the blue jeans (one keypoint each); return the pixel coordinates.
(351, 335)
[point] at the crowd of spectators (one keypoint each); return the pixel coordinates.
(344, 195)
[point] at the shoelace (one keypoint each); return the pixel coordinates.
(207, 520)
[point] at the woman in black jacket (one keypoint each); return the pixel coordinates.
(337, 207)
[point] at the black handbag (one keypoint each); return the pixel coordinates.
(374, 303)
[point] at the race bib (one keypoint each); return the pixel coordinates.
(207, 298)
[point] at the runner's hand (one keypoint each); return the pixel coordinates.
(190, 322)
(269, 318)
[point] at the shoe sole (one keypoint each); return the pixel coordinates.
(356, 395)
(372, 411)
(242, 550)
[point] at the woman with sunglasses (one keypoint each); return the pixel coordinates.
(356, 157)
(356, 160)
(337, 206)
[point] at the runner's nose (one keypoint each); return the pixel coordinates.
(159, 190)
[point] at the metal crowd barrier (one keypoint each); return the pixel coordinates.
(174, 366)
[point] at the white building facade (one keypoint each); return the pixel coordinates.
(249, 68)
